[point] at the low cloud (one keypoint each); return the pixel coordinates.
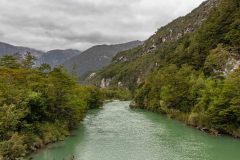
(79, 24)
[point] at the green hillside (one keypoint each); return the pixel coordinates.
(131, 67)
(189, 69)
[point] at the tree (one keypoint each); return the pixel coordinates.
(10, 117)
(28, 60)
(14, 147)
(40, 104)
(45, 68)
(9, 61)
(216, 62)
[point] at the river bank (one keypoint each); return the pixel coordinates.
(186, 119)
(38, 106)
(116, 132)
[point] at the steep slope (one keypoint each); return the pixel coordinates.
(200, 80)
(191, 76)
(56, 57)
(96, 57)
(131, 67)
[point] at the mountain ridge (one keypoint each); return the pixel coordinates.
(6, 48)
(92, 59)
(58, 56)
(97, 57)
(194, 78)
(141, 61)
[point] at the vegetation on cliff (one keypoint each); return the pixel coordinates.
(189, 69)
(200, 80)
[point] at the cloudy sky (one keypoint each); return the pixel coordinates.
(79, 24)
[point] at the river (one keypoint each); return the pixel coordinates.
(116, 132)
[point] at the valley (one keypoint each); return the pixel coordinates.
(175, 95)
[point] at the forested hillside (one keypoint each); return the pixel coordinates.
(130, 68)
(194, 76)
(38, 106)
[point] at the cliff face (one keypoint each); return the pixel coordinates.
(130, 67)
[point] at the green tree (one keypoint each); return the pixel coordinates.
(9, 61)
(28, 60)
(45, 68)
(14, 147)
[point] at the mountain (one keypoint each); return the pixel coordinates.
(129, 68)
(11, 50)
(82, 62)
(56, 57)
(96, 57)
(53, 57)
(189, 70)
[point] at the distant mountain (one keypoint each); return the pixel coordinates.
(53, 57)
(81, 62)
(11, 50)
(56, 57)
(97, 57)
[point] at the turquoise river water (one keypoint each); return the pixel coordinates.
(116, 132)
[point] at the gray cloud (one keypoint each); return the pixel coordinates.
(1, 34)
(49, 24)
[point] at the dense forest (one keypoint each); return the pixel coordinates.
(189, 70)
(194, 77)
(130, 68)
(200, 83)
(38, 105)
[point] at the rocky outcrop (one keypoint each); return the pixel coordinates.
(231, 65)
(179, 27)
(146, 58)
(105, 83)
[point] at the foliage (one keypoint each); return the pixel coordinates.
(199, 100)
(14, 147)
(192, 76)
(116, 93)
(216, 61)
(208, 30)
(169, 88)
(9, 62)
(38, 105)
